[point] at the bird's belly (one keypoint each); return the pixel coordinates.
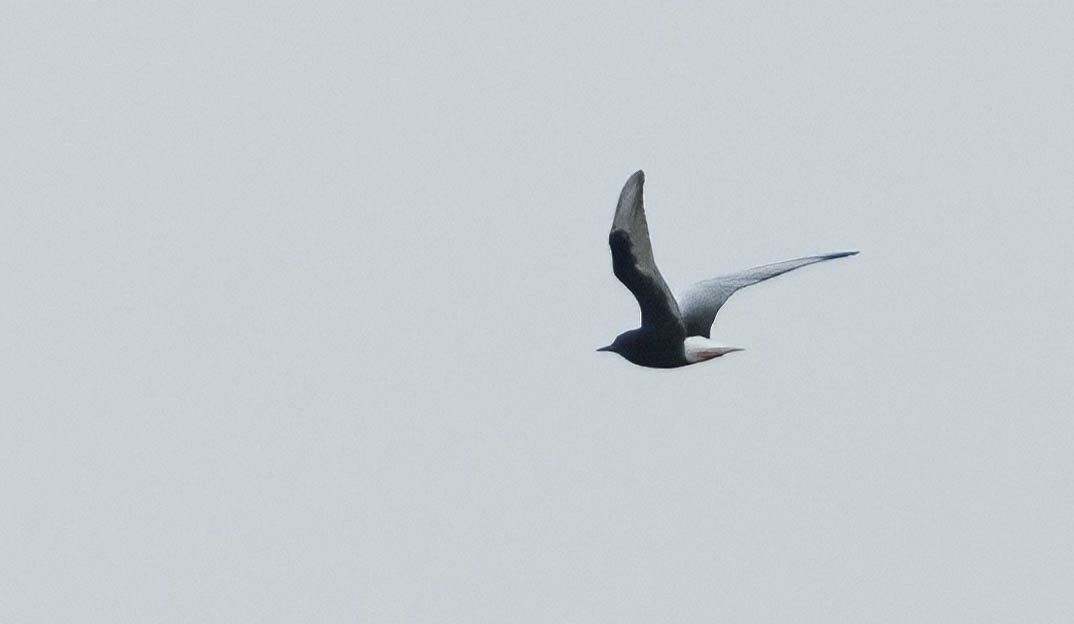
(698, 349)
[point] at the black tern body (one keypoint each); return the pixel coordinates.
(674, 330)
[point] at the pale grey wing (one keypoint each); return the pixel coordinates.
(700, 302)
(633, 264)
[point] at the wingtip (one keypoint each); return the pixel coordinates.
(633, 187)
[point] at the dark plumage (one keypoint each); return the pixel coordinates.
(674, 332)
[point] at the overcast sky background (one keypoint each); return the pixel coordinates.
(300, 307)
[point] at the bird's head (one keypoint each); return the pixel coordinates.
(622, 344)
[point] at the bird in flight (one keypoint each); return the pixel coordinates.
(674, 330)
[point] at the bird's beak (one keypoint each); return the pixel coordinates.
(607, 348)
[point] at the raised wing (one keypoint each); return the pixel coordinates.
(632, 261)
(700, 302)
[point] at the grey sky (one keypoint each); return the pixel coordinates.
(301, 304)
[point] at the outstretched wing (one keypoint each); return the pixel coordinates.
(632, 261)
(700, 302)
